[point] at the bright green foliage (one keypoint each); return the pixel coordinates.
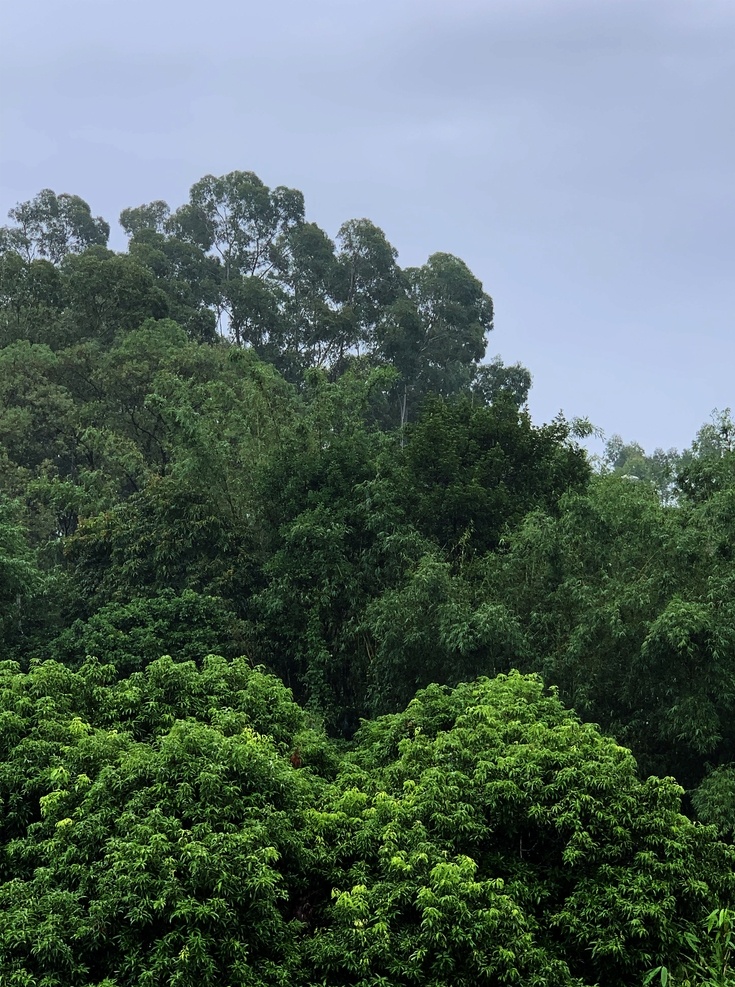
(714, 800)
(711, 959)
(187, 825)
(495, 811)
(151, 838)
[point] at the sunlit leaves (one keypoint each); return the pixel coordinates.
(190, 819)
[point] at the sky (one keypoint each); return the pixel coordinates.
(578, 155)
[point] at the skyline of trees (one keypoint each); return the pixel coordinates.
(476, 657)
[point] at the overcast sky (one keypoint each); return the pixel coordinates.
(579, 155)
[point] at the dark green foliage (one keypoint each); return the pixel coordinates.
(21, 579)
(189, 279)
(130, 636)
(435, 627)
(475, 470)
(628, 605)
(494, 379)
(701, 479)
(53, 226)
(150, 217)
(107, 293)
(167, 536)
(242, 436)
(339, 537)
(36, 412)
(31, 299)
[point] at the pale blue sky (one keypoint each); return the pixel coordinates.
(578, 154)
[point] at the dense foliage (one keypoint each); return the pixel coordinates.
(187, 824)
(241, 437)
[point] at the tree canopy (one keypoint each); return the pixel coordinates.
(323, 663)
(188, 822)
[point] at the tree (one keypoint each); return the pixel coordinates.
(20, 577)
(336, 536)
(31, 299)
(711, 950)
(494, 380)
(631, 461)
(153, 848)
(714, 800)
(239, 220)
(370, 281)
(53, 226)
(191, 824)
(182, 440)
(475, 470)
(36, 411)
(497, 840)
(190, 280)
(717, 437)
(436, 335)
(311, 331)
(152, 216)
(627, 606)
(131, 635)
(435, 626)
(709, 466)
(108, 294)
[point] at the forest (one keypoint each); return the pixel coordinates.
(323, 664)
